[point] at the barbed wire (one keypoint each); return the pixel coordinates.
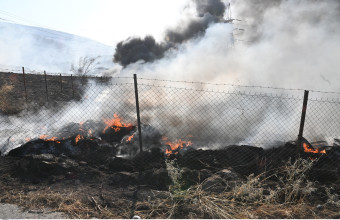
(243, 93)
(238, 85)
(28, 71)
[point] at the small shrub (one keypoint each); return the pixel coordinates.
(4, 101)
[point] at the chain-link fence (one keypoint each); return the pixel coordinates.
(233, 126)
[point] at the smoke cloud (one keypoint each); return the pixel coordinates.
(287, 44)
(135, 49)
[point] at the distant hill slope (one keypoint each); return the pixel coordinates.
(44, 49)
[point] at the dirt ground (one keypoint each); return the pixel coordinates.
(9, 211)
(94, 192)
(87, 195)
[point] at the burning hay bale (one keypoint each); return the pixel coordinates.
(85, 149)
(115, 130)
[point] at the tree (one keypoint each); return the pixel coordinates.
(85, 65)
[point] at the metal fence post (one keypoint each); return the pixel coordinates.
(23, 74)
(303, 116)
(61, 83)
(46, 86)
(72, 86)
(138, 116)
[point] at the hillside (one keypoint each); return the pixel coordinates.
(45, 49)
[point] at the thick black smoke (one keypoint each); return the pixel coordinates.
(214, 7)
(135, 49)
(208, 11)
(147, 49)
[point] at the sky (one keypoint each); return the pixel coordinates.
(106, 21)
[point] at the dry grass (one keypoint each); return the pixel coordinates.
(69, 204)
(5, 90)
(257, 197)
(75, 203)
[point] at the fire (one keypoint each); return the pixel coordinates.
(130, 138)
(51, 139)
(115, 123)
(175, 146)
(308, 149)
(79, 137)
(27, 139)
(43, 136)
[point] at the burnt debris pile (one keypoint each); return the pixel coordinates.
(111, 149)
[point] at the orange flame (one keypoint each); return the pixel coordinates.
(43, 136)
(175, 146)
(51, 139)
(115, 123)
(79, 137)
(130, 138)
(27, 139)
(308, 149)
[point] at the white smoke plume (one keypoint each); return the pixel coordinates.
(290, 44)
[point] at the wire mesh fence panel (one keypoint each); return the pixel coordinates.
(201, 125)
(211, 119)
(99, 106)
(322, 122)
